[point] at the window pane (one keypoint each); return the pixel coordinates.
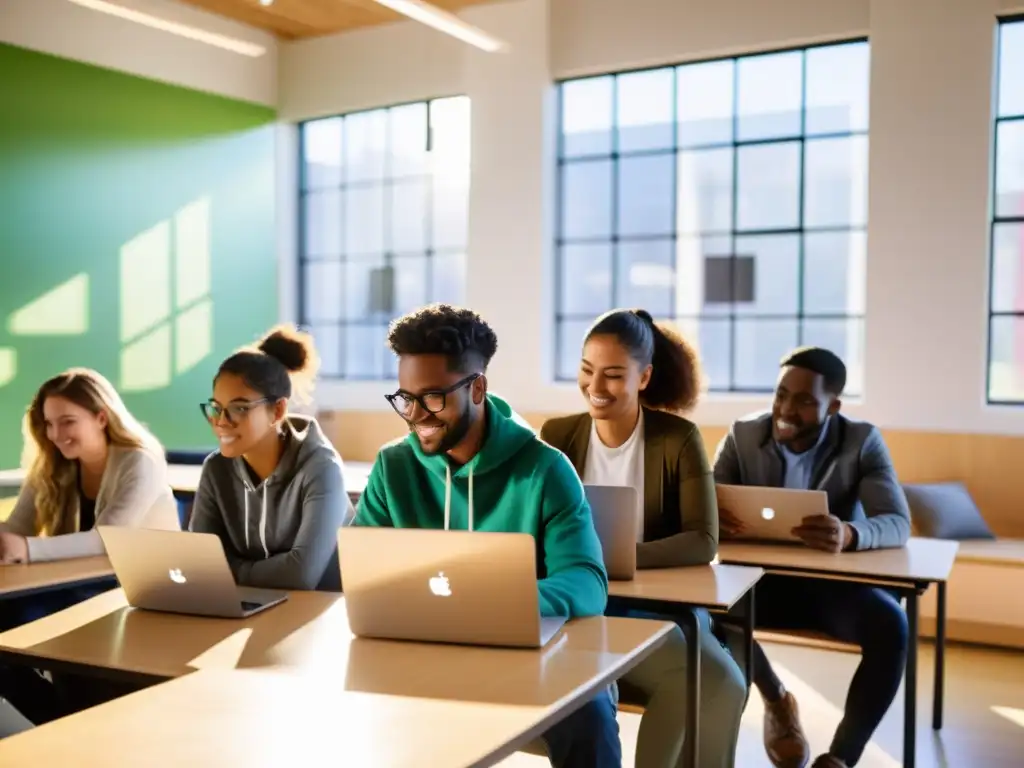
(328, 344)
(770, 90)
(407, 140)
(1008, 267)
(323, 291)
(365, 348)
(645, 195)
(1011, 69)
(448, 278)
(834, 272)
(645, 110)
(836, 182)
(705, 103)
(760, 345)
(585, 279)
(365, 145)
(714, 343)
(704, 178)
(410, 282)
(408, 213)
(837, 88)
(570, 345)
(586, 199)
(364, 218)
(692, 254)
(322, 212)
(450, 205)
(587, 117)
(358, 286)
(645, 276)
(776, 274)
(1010, 168)
(768, 177)
(846, 339)
(1006, 364)
(321, 150)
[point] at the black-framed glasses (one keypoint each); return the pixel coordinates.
(233, 412)
(431, 402)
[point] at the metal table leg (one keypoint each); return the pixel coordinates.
(910, 684)
(748, 637)
(940, 657)
(692, 746)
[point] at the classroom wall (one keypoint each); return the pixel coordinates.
(930, 136)
(137, 233)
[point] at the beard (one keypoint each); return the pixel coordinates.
(454, 433)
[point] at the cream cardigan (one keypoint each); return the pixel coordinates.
(133, 491)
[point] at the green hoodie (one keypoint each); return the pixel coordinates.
(520, 485)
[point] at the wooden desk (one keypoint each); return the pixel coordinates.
(309, 635)
(714, 587)
(267, 720)
(19, 580)
(909, 571)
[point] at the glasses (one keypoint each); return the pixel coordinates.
(431, 402)
(233, 412)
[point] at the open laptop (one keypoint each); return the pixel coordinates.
(770, 514)
(615, 513)
(460, 587)
(180, 572)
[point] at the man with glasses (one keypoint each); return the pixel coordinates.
(471, 463)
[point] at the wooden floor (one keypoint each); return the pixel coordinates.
(984, 723)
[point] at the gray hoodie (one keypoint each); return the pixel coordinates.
(281, 533)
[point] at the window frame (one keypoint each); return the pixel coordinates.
(388, 256)
(734, 144)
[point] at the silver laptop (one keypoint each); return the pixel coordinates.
(770, 514)
(614, 508)
(443, 586)
(180, 572)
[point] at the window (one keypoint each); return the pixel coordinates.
(728, 197)
(1006, 272)
(383, 212)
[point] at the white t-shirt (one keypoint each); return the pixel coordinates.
(619, 466)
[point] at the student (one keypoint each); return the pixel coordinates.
(806, 443)
(634, 377)
(89, 463)
(274, 493)
(470, 463)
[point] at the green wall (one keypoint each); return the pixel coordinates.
(136, 237)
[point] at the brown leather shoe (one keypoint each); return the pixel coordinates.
(829, 761)
(784, 739)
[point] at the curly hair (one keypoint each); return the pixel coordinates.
(676, 376)
(459, 334)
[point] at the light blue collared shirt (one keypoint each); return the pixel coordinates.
(800, 466)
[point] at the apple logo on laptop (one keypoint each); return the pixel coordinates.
(177, 576)
(439, 585)
(768, 513)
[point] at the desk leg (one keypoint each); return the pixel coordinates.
(910, 684)
(748, 636)
(940, 657)
(691, 749)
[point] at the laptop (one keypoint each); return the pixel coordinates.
(615, 513)
(770, 514)
(180, 572)
(461, 587)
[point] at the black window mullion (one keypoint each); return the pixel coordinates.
(614, 282)
(733, 220)
(801, 192)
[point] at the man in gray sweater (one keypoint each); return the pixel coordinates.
(804, 442)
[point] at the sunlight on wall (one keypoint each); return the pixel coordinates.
(61, 311)
(166, 309)
(8, 366)
(1014, 715)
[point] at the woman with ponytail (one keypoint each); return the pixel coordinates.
(274, 493)
(636, 377)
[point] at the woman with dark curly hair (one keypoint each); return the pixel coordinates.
(636, 376)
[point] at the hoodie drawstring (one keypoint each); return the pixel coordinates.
(448, 497)
(263, 516)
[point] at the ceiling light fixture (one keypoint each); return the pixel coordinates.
(181, 30)
(442, 21)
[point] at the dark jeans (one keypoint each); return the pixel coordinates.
(869, 617)
(588, 738)
(29, 692)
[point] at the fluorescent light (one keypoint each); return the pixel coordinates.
(442, 21)
(181, 30)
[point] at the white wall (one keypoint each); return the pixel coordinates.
(71, 31)
(929, 184)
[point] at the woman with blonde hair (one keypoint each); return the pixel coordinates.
(89, 462)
